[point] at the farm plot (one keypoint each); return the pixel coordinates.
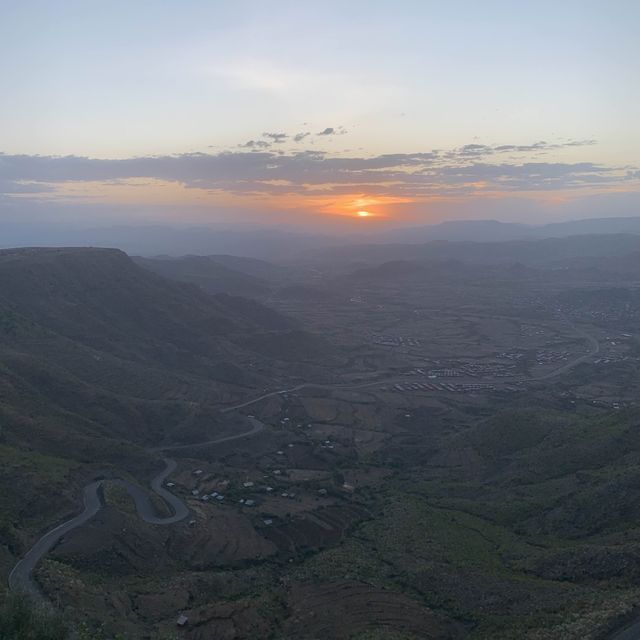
(342, 610)
(222, 536)
(320, 528)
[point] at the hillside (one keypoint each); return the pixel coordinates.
(101, 301)
(94, 320)
(207, 273)
(100, 358)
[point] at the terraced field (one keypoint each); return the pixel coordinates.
(345, 610)
(224, 537)
(315, 530)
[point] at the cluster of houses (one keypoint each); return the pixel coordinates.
(467, 387)
(248, 485)
(467, 370)
(396, 341)
(547, 356)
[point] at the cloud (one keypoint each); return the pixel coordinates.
(530, 176)
(299, 137)
(276, 137)
(259, 170)
(15, 187)
(332, 131)
(477, 150)
(255, 144)
(472, 150)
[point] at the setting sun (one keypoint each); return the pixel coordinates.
(364, 214)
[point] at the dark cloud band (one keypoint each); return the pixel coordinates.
(260, 170)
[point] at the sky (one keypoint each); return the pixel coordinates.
(320, 114)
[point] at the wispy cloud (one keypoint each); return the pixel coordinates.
(255, 144)
(478, 150)
(278, 138)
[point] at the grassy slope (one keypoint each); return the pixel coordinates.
(540, 541)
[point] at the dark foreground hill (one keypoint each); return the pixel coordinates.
(100, 358)
(117, 313)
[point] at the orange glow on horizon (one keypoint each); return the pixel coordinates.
(178, 202)
(358, 205)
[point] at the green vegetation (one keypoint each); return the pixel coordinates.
(20, 619)
(497, 513)
(540, 539)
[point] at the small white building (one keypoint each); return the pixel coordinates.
(182, 620)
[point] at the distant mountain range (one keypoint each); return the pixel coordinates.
(495, 231)
(531, 252)
(286, 243)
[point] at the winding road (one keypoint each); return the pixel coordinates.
(21, 576)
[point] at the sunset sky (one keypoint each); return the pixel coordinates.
(319, 113)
